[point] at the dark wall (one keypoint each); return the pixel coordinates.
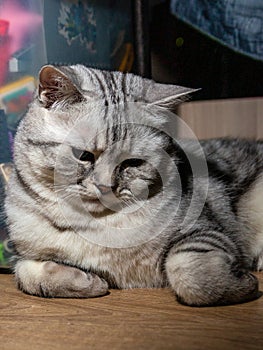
(195, 60)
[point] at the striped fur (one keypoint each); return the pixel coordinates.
(100, 195)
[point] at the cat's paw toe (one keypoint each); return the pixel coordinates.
(98, 285)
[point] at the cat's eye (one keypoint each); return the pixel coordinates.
(83, 156)
(132, 162)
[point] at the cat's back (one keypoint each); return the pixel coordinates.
(234, 152)
(237, 162)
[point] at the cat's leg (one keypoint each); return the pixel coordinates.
(49, 279)
(208, 278)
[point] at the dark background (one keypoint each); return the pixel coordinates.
(199, 61)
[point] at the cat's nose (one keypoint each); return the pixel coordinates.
(104, 189)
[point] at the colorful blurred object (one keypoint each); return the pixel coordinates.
(4, 49)
(22, 22)
(14, 99)
(17, 26)
(4, 25)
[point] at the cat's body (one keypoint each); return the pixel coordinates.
(93, 197)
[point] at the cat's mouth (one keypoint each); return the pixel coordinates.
(95, 202)
(86, 198)
(109, 203)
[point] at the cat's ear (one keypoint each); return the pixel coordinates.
(56, 89)
(166, 95)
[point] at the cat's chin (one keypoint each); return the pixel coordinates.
(95, 206)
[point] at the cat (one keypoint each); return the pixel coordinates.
(104, 196)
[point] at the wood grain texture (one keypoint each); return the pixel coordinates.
(125, 319)
(229, 117)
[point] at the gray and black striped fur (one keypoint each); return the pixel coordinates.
(93, 203)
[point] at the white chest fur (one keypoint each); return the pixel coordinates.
(251, 212)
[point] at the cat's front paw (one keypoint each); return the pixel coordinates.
(49, 279)
(70, 282)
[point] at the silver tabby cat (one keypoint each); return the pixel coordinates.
(100, 193)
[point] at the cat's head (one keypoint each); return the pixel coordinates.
(94, 137)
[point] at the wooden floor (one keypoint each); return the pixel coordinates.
(127, 319)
